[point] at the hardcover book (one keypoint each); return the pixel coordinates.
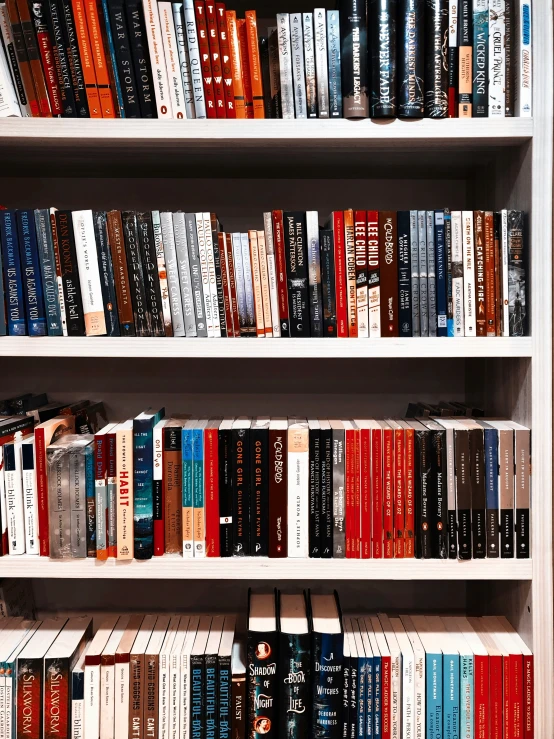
(327, 665)
(294, 666)
(262, 663)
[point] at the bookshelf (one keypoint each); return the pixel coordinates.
(240, 169)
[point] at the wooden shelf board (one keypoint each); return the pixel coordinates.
(177, 568)
(159, 348)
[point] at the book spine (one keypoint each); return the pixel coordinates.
(350, 258)
(23, 59)
(225, 493)
(143, 501)
(153, 32)
(361, 251)
(105, 268)
(240, 450)
(28, 700)
(257, 284)
(334, 64)
(158, 498)
(309, 61)
(259, 487)
(480, 58)
(13, 62)
(327, 650)
(70, 37)
(491, 487)
(315, 493)
(439, 493)
(34, 58)
(431, 273)
(480, 292)
(522, 456)
(382, 24)
(184, 59)
(321, 62)
(226, 61)
(87, 512)
(414, 272)
(278, 521)
(496, 57)
(83, 48)
(517, 274)
(162, 272)
(458, 274)
(211, 484)
(463, 493)
(42, 492)
(91, 290)
(327, 257)
(469, 273)
(326, 479)
(232, 283)
(248, 285)
(441, 274)
(124, 59)
(297, 492)
(409, 500)
(245, 68)
(205, 60)
(423, 281)
(388, 493)
(226, 289)
(101, 502)
(448, 256)
(411, 58)
(44, 42)
(236, 65)
(172, 269)
(281, 270)
(364, 464)
(254, 64)
(239, 283)
(265, 287)
(453, 58)
(59, 515)
(121, 274)
(465, 59)
(141, 58)
(196, 276)
(490, 276)
(377, 493)
(374, 275)
(399, 493)
(188, 539)
(350, 491)
(298, 71)
(183, 263)
(272, 275)
(423, 512)
(99, 60)
(30, 271)
(198, 494)
(297, 272)
(339, 531)
(205, 273)
(273, 92)
(404, 275)
(436, 63)
(215, 58)
(150, 274)
(30, 500)
(125, 506)
(451, 494)
(172, 64)
(58, 269)
(70, 274)
(193, 47)
(314, 273)
(172, 489)
(523, 60)
(294, 684)
(388, 259)
(354, 59)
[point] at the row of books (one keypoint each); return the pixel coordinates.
(365, 274)
(196, 59)
(301, 669)
(444, 487)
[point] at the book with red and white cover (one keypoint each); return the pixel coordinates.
(373, 275)
(399, 488)
(92, 673)
(377, 490)
(528, 674)
(124, 487)
(211, 487)
(388, 490)
(409, 489)
(350, 257)
(157, 59)
(364, 472)
(360, 242)
(496, 682)
(226, 61)
(350, 487)
(205, 57)
(272, 275)
(336, 223)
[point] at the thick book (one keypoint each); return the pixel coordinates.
(314, 488)
(105, 267)
(382, 42)
(388, 260)
(453, 59)
(354, 58)
(281, 271)
(465, 59)
(30, 500)
(294, 665)
(169, 236)
(298, 487)
(225, 488)
(30, 272)
(327, 662)
(361, 252)
(350, 259)
(141, 58)
(30, 95)
(334, 64)
(314, 273)
(297, 272)
(33, 57)
(274, 91)
(298, 69)
(441, 273)
(70, 274)
(338, 473)
(143, 505)
(171, 57)
(405, 326)
(410, 72)
(44, 43)
(121, 36)
(13, 284)
(23, 108)
(436, 63)
(431, 272)
(89, 273)
(522, 483)
(480, 59)
(241, 484)
(259, 487)
(136, 276)
(120, 274)
(83, 48)
(106, 79)
(321, 62)
(326, 486)
(517, 274)
(480, 288)
(278, 470)
(150, 274)
(262, 663)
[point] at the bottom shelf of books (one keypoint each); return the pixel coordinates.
(290, 663)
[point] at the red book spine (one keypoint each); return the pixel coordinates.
(205, 58)
(340, 273)
(495, 696)
(373, 275)
(350, 252)
(29, 698)
(508, 723)
(232, 284)
(48, 63)
(57, 698)
(42, 493)
(357, 498)
(399, 476)
(365, 491)
(388, 493)
(277, 493)
(211, 478)
(409, 510)
(528, 697)
(350, 492)
(213, 40)
(100, 466)
(226, 63)
(388, 261)
(281, 265)
(385, 697)
(111, 469)
(481, 696)
(225, 285)
(516, 694)
(246, 78)
(377, 492)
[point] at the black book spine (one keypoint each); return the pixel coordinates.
(404, 274)
(106, 273)
(353, 704)
(262, 684)
(150, 274)
(197, 690)
(297, 273)
(463, 492)
(478, 494)
(314, 491)
(136, 278)
(61, 60)
(411, 65)
(266, 80)
(509, 84)
(382, 25)
(327, 685)
(439, 541)
(354, 58)
(422, 501)
(436, 59)
(224, 695)
(70, 274)
(225, 494)
(219, 279)
(210, 697)
(124, 59)
(328, 282)
(259, 492)
(295, 684)
(73, 55)
(345, 697)
(141, 58)
(241, 491)
(326, 444)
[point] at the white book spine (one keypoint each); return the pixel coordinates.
(60, 289)
(248, 284)
(458, 273)
(524, 61)
(297, 58)
(11, 59)
(285, 65)
(174, 697)
(10, 708)
(453, 23)
(3, 508)
(309, 62)
(505, 287)
(171, 54)
(408, 694)
(30, 497)
(469, 273)
(92, 700)
(497, 58)
(184, 62)
(212, 274)
(431, 273)
(236, 241)
(3, 708)
(77, 719)
(194, 59)
(172, 269)
(183, 263)
(9, 106)
(414, 272)
(419, 694)
(184, 680)
(163, 696)
(423, 283)
(297, 483)
(272, 274)
(396, 696)
(107, 705)
(256, 283)
(121, 711)
(157, 58)
(264, 279)
(162, 271)
(321, 62)
(204, 272)
(89, 273)
(14, 502)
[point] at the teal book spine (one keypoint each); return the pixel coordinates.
(466, 697)
(369, 718)
(451, 695)
(187, 493)
(199, 525)
(143, 473)
(433, 677)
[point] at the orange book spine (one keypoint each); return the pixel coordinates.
(23, 59)
(99, 58)
(87, 63)
(254, 64)
(236, 66)
(28, 31)
(245, 64)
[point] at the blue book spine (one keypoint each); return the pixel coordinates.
(13, 285)
(335, 73)
(113, 57)
(187, 493)
(30, 268)
(369, 719)
(491, 488)
(3, 327)
(433, 679)
(327, 656)
(377, 697)
(404, 274)
(441, 274)
(451, 695)
(466, 697)
(143, 491)
(361, 698)
(48, 272)
(199, 526)
(224, 694)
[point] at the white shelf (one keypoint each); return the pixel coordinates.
(243, 348)
(250, 568)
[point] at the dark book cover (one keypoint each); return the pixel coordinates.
(327, 257)
(121, 274)
(262, 683)
(225, 491)
(517, 274)
(326, 478)
(224, 695)
(70, 274)
(150, 274)
(55, 24)
(478, 494)
(141, 58)
(345, 692)
(463, 492)
(259, 488)
(441, 273)
(490, 439)
(481, 60)
(124, 58)
(238, 691)
(314, 271)
(218, 276)
(354, 679)
(31, 274)
(438, 492)
(294, 684)
(436, 58)
(210, 697)
(266, 78)
(28, 701)
(404, 275)
(136, 277)
(39, 11)
(197, 690)
(411, 32)
(388, 260)
(423, 478)
(314, 490)
(327, 684)
(382, 29)
(354, 58)
(74, 57)
(13, 283)
(240, 450)
(278, 488)
(297, 272)
(143, 473)
(105, 266)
